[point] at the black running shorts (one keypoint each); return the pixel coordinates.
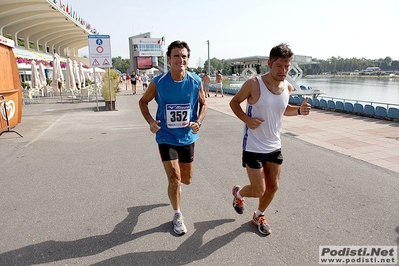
(257, 160)
(185, 154)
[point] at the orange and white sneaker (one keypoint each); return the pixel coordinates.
(262, 224)
(238, 204)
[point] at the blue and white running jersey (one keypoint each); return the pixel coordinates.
(178, 103)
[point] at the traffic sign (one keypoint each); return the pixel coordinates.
(100, 51)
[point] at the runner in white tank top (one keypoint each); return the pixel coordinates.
(270, 107)
(267, 101)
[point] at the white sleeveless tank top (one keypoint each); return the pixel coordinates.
(270, 107)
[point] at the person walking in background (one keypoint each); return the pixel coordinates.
(267, 101)
(145, 81)
(219, 84)
(133, 80)
(206, 80)
(180, 112)
(127, 80)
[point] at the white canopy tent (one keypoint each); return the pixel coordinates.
(89, 73)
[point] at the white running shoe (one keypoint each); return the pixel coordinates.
(178, 224)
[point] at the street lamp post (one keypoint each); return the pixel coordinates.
(209, 61)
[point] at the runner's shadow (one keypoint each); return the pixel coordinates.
(397, 231)
(51, 251)
(189, 251)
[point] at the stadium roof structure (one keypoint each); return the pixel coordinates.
(47, 24)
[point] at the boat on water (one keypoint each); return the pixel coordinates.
(306, 91)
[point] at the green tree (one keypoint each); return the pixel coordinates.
(388, 60)
(198, 70)
(113, 81)
(122, 65)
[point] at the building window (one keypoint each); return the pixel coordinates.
(149, 47)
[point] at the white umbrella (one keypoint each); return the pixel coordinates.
(76, 74)
(35, 82)
(58, 77)
(82, 74)
(42, 75)
(70, 78)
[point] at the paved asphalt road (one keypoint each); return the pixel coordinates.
(88, 188)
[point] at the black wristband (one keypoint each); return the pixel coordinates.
(299, 111)
(198, 123)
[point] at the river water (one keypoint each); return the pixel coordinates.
(384, 90)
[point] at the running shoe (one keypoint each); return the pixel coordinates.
(178, 224)
(262, 224)
(238, 204)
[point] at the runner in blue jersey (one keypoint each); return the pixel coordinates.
(181, 110)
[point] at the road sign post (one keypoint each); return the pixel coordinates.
(100, 56)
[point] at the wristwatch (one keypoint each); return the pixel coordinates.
(199, 124)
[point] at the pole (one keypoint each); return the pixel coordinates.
(165, 67)
(165, 63)
(110, 90)
(95, 87)
(209, 61)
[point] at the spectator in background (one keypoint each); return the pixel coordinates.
(127, 80)
(206, 80)
(219, 85)
(133, 81)
(145, 81)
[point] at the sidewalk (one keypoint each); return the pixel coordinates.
(372, 140)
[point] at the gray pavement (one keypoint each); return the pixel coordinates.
(88, 188)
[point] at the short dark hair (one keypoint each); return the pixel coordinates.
(282, 50)
(178, 44)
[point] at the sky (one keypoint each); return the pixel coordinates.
(318, 28)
